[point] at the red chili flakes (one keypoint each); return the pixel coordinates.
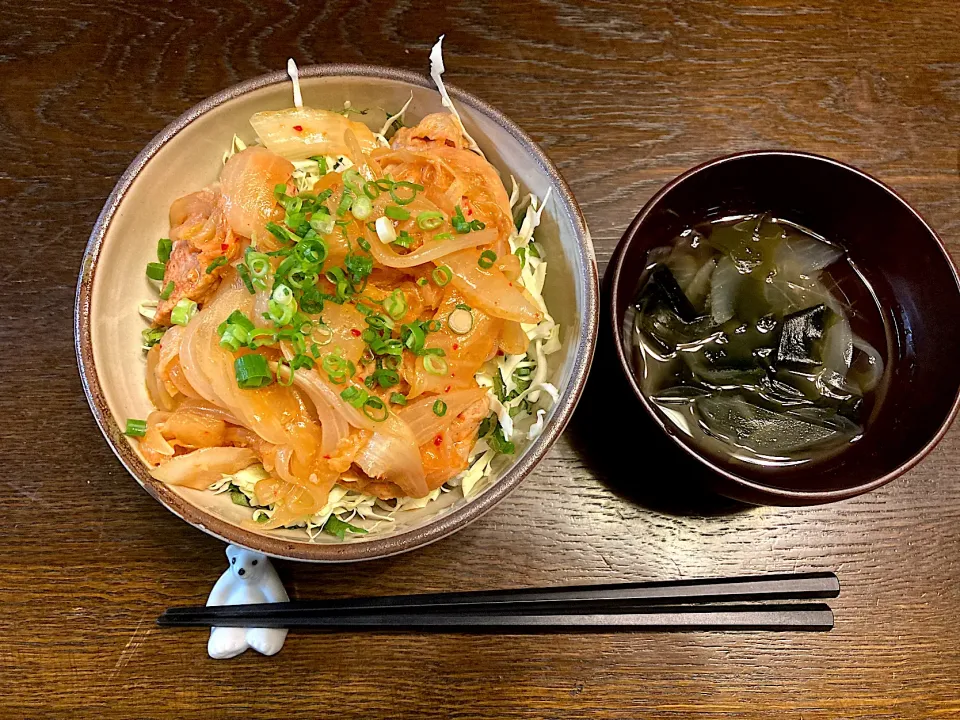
(456, 346)
(448, 388)
(326, 457)
(298, 128)
(438, 440)
(224, 247)
(355, 332)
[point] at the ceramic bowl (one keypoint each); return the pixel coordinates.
(902, 260)
(186, 156)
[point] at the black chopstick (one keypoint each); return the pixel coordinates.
(623, 598)
(809, 616)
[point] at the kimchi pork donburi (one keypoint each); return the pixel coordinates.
(349, 324)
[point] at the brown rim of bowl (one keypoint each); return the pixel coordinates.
(616, 267)
(370, 549)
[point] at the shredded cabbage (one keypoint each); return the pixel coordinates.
(436, 70)
(294, 74)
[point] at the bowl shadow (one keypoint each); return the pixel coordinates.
(630, 453)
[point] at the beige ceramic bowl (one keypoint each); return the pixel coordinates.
(186, 156)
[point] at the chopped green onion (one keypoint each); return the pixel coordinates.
(252, 371)
(433, 325)
(339, 528)
(155, 270)
(396, 213)
(463, 306)
(218, 262)
(244, 272)
(384, 184)
(151, 336)
(459, 222)
(355, 396)
(396, 304)
(404, 240)
(435, 365)
(353, 181)
(371, 190)
(261, 337)
(429, 220)
(374, 409)
(379, 322)
(238, 318)
(258, 263)
(443, 236)
(398, 399)
(183, 311)
(362, 207)
(383, 377)
(322, 222)
(136, 428)
(281, 233)
(321, 161)
(404, 198)
(164, 248)
(442, 275)
(422, 282)
(433, 351)
(345, 202)
(413, 337)
(487, 259)
(338, 368)
(362, 242)
(167, 291)
(281, 364)
(439, 408)
(460, 321)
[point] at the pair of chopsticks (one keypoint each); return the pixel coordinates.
(740, 603)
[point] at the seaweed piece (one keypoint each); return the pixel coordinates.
(664, 313)
(733, 418)
(799, 338)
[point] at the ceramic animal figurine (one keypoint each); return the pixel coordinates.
(249, 579)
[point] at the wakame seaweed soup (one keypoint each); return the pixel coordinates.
(758, 339)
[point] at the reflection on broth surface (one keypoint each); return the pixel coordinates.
(756, 337)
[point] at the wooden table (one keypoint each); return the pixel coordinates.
(623, 97)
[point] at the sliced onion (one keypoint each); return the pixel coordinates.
(838, 345)
(513, 340)
(155, 388)
(872, 364)
(426, 424)
(430, 250)
(247, 182)
(200, 468)
(321, 132)
(699, 286)
(800, 255)
(395, 459)
(333, 425)
(724, 286)
(489, 290)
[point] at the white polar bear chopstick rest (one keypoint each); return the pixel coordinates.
(249, 579)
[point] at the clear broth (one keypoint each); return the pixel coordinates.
(748, 360)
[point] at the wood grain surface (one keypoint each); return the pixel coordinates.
(623, 97)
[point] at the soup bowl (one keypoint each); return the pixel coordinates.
(904, 264)
(187, 156)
